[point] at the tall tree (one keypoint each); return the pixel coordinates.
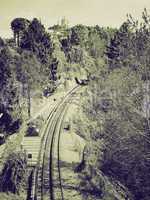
(120, 47)
(37, 40)
(79, 35)
(9, 93)
(18, 26)
(28, 73)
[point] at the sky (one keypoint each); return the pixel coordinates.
(89, 12)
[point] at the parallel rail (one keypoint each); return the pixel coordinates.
(54, 162)
(43, 177)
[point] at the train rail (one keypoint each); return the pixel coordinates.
(44, 175)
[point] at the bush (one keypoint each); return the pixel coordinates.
(13, 176)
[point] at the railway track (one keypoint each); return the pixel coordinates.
(47, 171)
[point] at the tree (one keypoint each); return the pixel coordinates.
(79, 35)
(19, 26)
(96, 45)
(39, 42)
(141, 48)
(2, 43)
(53, 69)
(5, 71)
(123, 130)
(9, 93)
(120, 47)
(28, 73)
(13, 175)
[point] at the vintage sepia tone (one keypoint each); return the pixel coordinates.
(74, 100)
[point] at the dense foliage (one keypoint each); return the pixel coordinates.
(25, 65)
(13, 175)
(115, 114)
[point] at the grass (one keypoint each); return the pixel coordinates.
(10, 196)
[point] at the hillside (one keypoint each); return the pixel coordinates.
(113, 113)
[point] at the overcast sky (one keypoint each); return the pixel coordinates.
(89, 12)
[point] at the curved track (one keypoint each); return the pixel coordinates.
(48, 170)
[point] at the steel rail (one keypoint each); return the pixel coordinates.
(37, 191)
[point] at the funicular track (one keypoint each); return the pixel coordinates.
(48, 169)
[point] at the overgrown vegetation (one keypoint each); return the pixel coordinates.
(14, 174)
(116, 112)
(114, 116)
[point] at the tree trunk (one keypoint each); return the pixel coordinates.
(23, 89)
(18, 37)
(15, 40)
(29, 101)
